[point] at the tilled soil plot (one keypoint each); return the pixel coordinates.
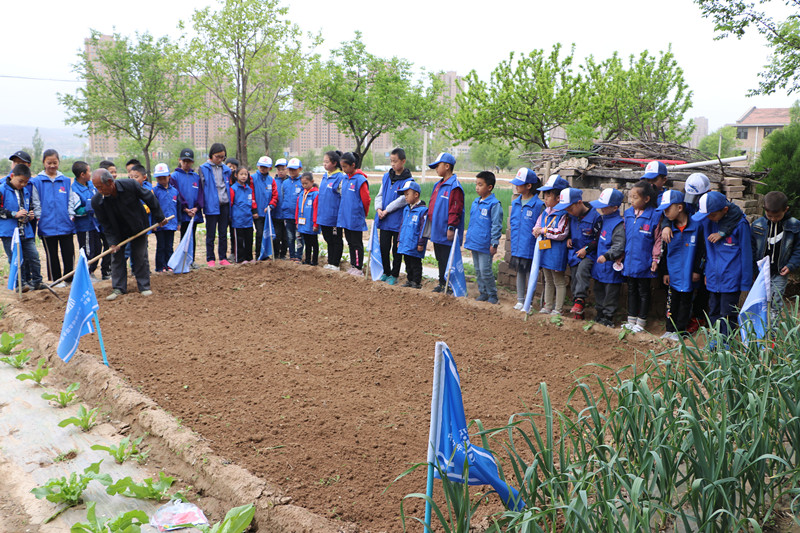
(320, 382)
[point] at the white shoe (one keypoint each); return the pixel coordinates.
(628, 326)
(555, 313)
(636, 328)
(330, 267)
(544, 311)
(671, 336)
(518, 306)
(60, 285)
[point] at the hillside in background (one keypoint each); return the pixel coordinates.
(67, 141)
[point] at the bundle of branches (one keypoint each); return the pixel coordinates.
(611, 153)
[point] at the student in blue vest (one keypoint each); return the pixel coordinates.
(306, 218)
(607, 270)
(584, 228)
(729, 264)
(330, 196)
(414, 215)
(50, 198)
(266, 192)
(656, 173)
(190, 196)
(215, 179)
(353, 210)
(21, 157)
(642, 252)
(279, 244)
(483, 235)
(553, 227)
(287, 203)
(445, 213)
(244, 211)
(15, 212)
(389, 204)
(684, 258)
(86, 228)
(525, 211)
(167, 197)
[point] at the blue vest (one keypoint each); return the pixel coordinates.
(580, 231)
(287, 201)
(555, 257)
(479, 233)
(521, 222)
(605, 273)
(681, 251)
(168, 200)
(351, 209)
(305, 212)
(410, 230)
(329, 198)
(263, 185)
(729, 267)
(441, 206)
(210, 195)
(54, 197)
(85, 193)
(393, 220)
(640, 235)
(188, 185)
(242, 206)
(11, 203)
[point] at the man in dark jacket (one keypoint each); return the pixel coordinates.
(118, 208)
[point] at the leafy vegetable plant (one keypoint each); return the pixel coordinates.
(85, 420)
(38, 374)
(236, 521)
(9, 342)
(68, 491)
(129, 522)
(62, 398)
(126, 450)
(146, 490)
(17, 360)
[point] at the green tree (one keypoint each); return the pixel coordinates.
(132, 90)
(722, 140)
(366, 96)
(410, 140)
(735, 17)
(794, 112)
(38, 146)
(490, 155)
(249, 57)
(781, 156)
(310, 160)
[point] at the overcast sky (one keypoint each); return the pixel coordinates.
(41, 40)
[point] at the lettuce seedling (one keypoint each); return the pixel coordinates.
(62, 398)
(68, 491)
(17, 360)
(146, 490)
(129, 522)
(9, 342)
(126, 450)
(85, 420)
(38, 374)
(236, 521)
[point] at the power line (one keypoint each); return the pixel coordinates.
(37, 79)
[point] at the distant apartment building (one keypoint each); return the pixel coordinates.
(700, 131)
(754, 127)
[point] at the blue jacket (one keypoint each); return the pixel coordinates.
(85, 222)
(729, 264)
(287, 200)
(243, 206)
(306, 217)
(168, 200)
(790, 242)
(393, 220)
(485, 224)
(54, 199)
(438, 218)
(209, 187)
(329, 198)
(190, 193)
(266, 191)
(521, 221)
(685, 255)
(10, 205)
(583, 232)
(411, 229)
(605, 273)
(640, 234)
(555, 257)
(352, 215)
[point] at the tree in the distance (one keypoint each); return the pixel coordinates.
(722, 140)
(781, 156)
(38, 147)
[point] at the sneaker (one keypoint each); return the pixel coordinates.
(195, 266)
(224, 263)
(357, 273)
(693, 326)
(25, 287)
(577, 309)
(518, 306)
(449, 291)
(415, 285)
(38, 286)
(671, 336)
(438, 288)
(628, 326)
(211, 264)
(636, 328)
(330, 267)
(605, 322)
(106, 277)
(408, 283)
(493, 300)
(555, 313)
(482, 298)
(116, 293)
(383, 277)
(146, 293)
(545, 311)
(60, 285)
(391, 280)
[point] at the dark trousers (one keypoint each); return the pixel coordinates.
(259, 224)
(30, 266)
(243, 244)
(165, 241)
(89, 242)
(141, 266)
(389, 244)
(606, 298)
(723, 306)
(293, 242)
(581, 275)
(311, 242)
(51, 246)
(184, 227)
(680, 310)
(413, 268)
(105, 262)
(356, 244)
(279, 245)
(333, 236)
(638, 297)
(217, 225)
(442, 253)
(700, 308)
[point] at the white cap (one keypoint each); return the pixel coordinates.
(280, 162)
(162, 169)
(265, 161)
(697, 184)
(294, 163)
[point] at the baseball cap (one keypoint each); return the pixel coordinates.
(410, 185)
(568, 197)
(654, 169)
(187, 153)
(21, 155)
(265, 161)
(280, 162)
(443, 157)
(162, 169)
(555, 182)
(525, 175)
(608, 198)
(710, 202)
(294, 163)
(668, 198)
(697, 184)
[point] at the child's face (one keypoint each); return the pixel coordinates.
(659, 182)
(17, 161)
(19, 182)
(327, 164)
(398, 165)
(218, 158)
(524, 189)
(113, 171)
(264, 170)
(163, 181)
(716, 216)
(307, 183)
(673, 211)
(776, 216)
(482, 188)
(234, 168)
(281, 171)
(348, 168)
(607, 210)
(85, 176)
(575, 209)
(186, 165)
(411, 196)
(136, 175)
(551, 198)
(51, 165)
(242, 175)
(637, 199)
(294, 172)
(442, 169)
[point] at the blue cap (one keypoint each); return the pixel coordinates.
(410, 185)
(555, 182)
(710, 202)
(668, 198)
(444, 157)
(568, 197)
(525, 175)
(654, 169)
(294, 163)
(608, 198)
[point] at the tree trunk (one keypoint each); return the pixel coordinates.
(241, 142)
(146, 152)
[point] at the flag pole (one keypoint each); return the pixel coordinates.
(435, 411)
(19, 265)
(271, 242)
(450, 262)
(100, 338)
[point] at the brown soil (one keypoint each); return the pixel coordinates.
(320, 382)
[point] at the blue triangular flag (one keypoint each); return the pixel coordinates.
(13, 273)
(82, 304)
(266, 239)
(375, 262)
(534, 276)
(454, 274)
(181, 260)
(754, 316)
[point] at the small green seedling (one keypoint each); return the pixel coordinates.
(126, 450)
(85, 420)
(17, 360)
(9, 342)
(558, 320)
(68, 491)
(66, 456)
(623, 333)
(588, 325)
(236, 521)
(146, 490)
(130, 522)
(62, 398)
(36, 375)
